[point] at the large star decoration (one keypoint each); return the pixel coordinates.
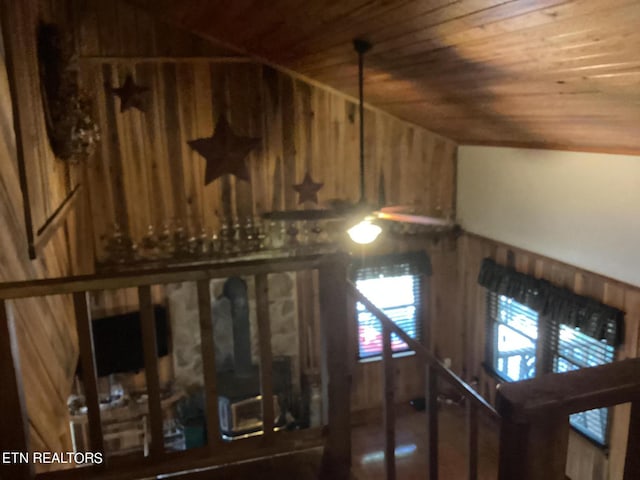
(308, 190)
(225, 152)
(130, 94)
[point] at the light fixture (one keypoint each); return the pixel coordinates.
(364, 232)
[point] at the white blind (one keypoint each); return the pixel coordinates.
(398, 296)
(515, 334)
(573, 350)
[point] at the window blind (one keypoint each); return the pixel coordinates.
(572, 349)
(518, 335)
(514, 333)
(396, 290)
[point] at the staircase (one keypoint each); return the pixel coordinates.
(533, 415)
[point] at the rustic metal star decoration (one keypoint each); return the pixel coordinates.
(225, 152)
(130, 94)
(308, 190)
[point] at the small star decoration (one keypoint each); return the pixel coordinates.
(225, 152)
(130, 94)
(308, 190)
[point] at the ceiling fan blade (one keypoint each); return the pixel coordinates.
(397, 208)
(410, 218)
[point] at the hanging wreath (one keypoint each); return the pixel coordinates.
(72, 130)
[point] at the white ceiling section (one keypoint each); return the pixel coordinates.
(579, 208)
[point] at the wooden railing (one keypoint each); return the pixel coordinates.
(535, 418)
(533, 414)
(475, 403)
(14, 429)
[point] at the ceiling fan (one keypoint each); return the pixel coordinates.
(366, 230)
(363, 217)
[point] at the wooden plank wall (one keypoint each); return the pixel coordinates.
(145, 172)
(585, 461)
(367, 377)
(45, 327)
(48, 181)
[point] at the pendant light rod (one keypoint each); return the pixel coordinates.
(361, 46)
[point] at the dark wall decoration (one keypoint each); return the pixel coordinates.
(225, 152)
(130, 94)
(68, 110)
(308, 190)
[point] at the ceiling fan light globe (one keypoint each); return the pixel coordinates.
(364, 232)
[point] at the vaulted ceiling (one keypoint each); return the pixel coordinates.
(552, 73)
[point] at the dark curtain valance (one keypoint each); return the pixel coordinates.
(396, 264)
(593, 318)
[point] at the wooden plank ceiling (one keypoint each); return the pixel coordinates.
(548, 73)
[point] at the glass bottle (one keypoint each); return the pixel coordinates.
(150, 245)
(226, 239)
(247, 242)
(216, 248)
(292, 234)
(203, 244)
(165, 241)
(120, 248)
(180, 241)
(235, 233)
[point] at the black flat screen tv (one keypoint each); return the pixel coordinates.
(117, 341)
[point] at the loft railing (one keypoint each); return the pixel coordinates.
(535, 418)
(14, 428)
(475, 403)
(533, 414)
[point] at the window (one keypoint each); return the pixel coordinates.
(576, 350)
(519, 349)
(395, 288)
(515, 334)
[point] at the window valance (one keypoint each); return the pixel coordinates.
(591, 317)
(393, 265)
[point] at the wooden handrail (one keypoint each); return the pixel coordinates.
(572, 392)
(535, 417)
(460, 385)
(336, 380)
(434, 369)
(156, 276)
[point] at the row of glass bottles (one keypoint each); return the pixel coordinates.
(234, 238)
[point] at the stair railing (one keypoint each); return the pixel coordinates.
(533, 414)
(435, 370)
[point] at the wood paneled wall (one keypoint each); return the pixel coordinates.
(48, 180)
(437, 326)
(45, 327)
(146, 173)
(585, 461)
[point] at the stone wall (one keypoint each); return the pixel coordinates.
(183, 311)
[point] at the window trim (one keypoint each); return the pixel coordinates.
(544, 361)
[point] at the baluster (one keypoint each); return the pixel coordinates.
(472, 431)
(632, 460)
(431, 405)
(388, 405)
(336, 376)
(88, 363)
(535, 450)
(208, 350)
(150, 348)
(14, 425)
(266, 359)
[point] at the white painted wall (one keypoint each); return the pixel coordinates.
(579, 208)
